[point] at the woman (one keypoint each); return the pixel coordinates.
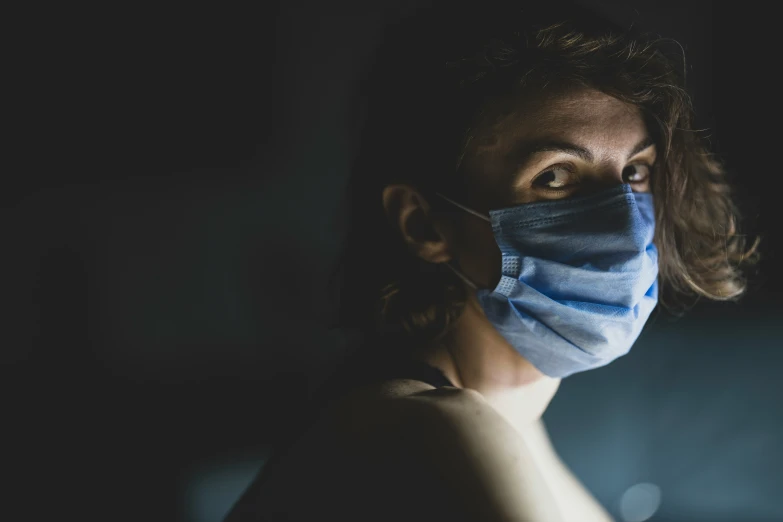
(528, 188)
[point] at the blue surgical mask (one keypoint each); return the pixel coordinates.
(580, 277)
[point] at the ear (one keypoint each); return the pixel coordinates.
(410, 214)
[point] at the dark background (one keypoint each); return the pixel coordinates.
(171, 212)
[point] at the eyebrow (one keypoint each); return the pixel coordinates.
(521, 154)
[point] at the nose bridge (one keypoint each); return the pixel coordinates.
(605, 175)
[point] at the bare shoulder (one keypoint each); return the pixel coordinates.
(449, 453)
(408, 409)
(397, 406)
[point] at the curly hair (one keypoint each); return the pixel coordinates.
(430, 99)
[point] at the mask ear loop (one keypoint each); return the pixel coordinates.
(466, 209)
(478, 215)
(462, 276)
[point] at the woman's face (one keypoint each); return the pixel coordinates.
(551, 147)
(545, 148)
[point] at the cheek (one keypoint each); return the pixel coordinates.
(480, 256)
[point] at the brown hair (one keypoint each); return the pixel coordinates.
(428, 97)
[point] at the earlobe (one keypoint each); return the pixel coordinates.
(410, 215)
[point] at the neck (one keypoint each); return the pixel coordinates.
(474, 355)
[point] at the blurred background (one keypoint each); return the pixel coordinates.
(171, 209)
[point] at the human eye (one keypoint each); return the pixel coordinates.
(635, 174)
(556, 177)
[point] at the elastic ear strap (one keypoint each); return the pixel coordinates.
(466, 209)
(462, 276)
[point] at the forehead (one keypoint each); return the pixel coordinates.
(583, 116)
